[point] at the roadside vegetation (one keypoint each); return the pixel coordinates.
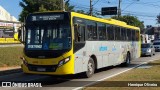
(9, 56)
(138, 74)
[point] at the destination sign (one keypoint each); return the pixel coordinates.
(47, 17)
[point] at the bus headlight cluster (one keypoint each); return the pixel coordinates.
(62, 62)
(24, 61)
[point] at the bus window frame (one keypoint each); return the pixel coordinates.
(79, 23)
(112, 28)
(105, 30)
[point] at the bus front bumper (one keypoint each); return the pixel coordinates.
(48, 69)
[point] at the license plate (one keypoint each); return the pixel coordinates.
(41, 69)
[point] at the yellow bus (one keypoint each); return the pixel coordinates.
(60, 43)
(8, 32)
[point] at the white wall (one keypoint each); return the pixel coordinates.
(4, 15)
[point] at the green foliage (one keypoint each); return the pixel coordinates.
(80, 11)
(31, 6)
(131, 20)
(68, 7)
(158, 18)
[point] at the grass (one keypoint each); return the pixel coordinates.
(9, 56)
(137, 74)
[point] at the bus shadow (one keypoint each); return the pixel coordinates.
(58, 79)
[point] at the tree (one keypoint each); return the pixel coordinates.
(158, 18)
(131, 20)
(31, 6)
(81, 11)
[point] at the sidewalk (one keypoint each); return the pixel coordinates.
(9, 70)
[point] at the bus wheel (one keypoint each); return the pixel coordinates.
(90, 68)
(127, 61)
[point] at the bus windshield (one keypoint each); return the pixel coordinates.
(48, 36)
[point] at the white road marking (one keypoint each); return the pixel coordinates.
(112, 75)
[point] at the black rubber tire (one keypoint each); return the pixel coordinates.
(154, 53)
(90, 68)
(127, 61)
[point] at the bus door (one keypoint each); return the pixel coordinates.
(79, 49)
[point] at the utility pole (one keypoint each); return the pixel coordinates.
(91, 7)
(62, 5)
(119, 8)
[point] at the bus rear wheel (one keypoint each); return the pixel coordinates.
(90, 68)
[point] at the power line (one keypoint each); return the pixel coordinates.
(145, 13)
(125, 12)
(95, 2)
(128, 6)
(148, 4)
(138, 14)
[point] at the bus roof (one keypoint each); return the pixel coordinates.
(104, 20)
(108, 20)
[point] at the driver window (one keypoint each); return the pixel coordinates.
(76, 33)
(29, 36)
(37, 35)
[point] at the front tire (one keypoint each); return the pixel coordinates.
(127, 61)
(90, 68)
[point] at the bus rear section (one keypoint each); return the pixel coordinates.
(8, 33)
(100, 43)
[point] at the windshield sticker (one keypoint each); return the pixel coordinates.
(45, 46)
(34, 46)
(56, 46)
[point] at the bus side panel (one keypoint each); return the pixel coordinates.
(79, 58)
(119, 50)
(93, 49)
(104, 49)
(82, 56)
(107, 53)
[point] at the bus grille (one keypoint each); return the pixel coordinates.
(42, 68)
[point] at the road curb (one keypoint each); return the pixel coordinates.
(10, 71)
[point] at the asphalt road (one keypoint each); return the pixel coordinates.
(71, 82)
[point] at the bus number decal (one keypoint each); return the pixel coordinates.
(103, 48)
(34, 46)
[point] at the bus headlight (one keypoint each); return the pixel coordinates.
(62, 62)
(24, 60)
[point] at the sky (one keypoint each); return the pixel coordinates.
(144, 10)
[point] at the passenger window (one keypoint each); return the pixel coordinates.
(102, 31)
(129, 35)
(111, 33)
(92, 30)
(117, 33)
(133, 35)
(79, 33)
(137, 35)
(123, 34)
